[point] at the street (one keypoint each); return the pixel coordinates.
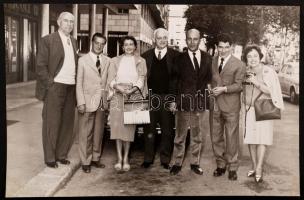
(281, 171)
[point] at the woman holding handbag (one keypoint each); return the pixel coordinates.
(261, 84)
(126, 76)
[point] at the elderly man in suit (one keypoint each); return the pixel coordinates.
(56, 72)
(91, 101)
(193, 75)
(228, 75)
(160, 64)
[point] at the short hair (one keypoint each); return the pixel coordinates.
(128, 37)
(160, 29)
(224, 38)
(249, 49)
(100, 36)
(62, 14)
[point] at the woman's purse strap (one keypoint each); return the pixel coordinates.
(140, 92)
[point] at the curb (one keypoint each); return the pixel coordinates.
(49, 180)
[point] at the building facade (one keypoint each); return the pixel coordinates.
(25, 24)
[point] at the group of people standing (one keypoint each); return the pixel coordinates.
(97, 83)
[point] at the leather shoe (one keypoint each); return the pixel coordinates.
(146, 164)
(175, 169)
(97, 164)
(86, 168)
(197, 169)
(219, 171)
(64, 161)
(232, 175)
(51, 164)
(165, 165)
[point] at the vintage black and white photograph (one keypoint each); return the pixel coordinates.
(152, 99)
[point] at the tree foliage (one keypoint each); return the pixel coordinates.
(245, 23)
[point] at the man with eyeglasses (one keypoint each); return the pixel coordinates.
(160, 64)
(56, 78)
(91, 102)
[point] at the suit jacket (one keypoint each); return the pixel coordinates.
(188, 83)
(90, 85)
(231, 76)
(141, 70)
(171, 56)
(50, 59)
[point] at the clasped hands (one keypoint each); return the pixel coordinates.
(124, 91)
(217, 91)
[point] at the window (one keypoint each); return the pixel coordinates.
(123, 11)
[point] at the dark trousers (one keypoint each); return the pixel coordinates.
(224, 132)
(58, 121)
(165, 119)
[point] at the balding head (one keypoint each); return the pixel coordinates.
(193, 39)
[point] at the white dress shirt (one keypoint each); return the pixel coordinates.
(162, 52)
(67, 73)
(197, 55)
(225, 61)
(94, 57)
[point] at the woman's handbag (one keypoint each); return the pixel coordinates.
(265, 109)
(136, 110)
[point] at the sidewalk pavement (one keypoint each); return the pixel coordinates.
(27, 175)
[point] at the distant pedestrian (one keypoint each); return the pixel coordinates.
(228, 73)
(193, 74)
(160, 63)
(259, 134)
(91, 102)
(56, 72)
(126, 75)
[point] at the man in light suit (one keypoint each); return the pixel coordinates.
(56, 72)
(91, 102)
(160, 64)
(193, 74)
(228, 75)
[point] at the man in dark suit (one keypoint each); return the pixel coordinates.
(228, 75)
(56, 72)
(160, 64)
(193, 75)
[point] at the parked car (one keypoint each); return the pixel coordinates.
(289, 80)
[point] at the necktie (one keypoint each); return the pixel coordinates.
(159, 55)
(221, 65)
(98, 64)
(68, 41)
(196, 65)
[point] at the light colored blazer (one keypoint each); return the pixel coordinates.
(90, 86)
(271, 80)
(141, 68)
(231, 76)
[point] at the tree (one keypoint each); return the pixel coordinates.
(246, 24)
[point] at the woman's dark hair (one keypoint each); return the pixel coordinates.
(128, 37)
(249, 49)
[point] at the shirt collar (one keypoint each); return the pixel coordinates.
(94, 56)
(225, 59)
(197, 52)
(163, 51)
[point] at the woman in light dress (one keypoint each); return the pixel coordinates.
(259, 134)
(127, 75)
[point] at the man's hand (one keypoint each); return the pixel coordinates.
(120, 89)
(172, 107)
(81, 108)
(218, 90)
